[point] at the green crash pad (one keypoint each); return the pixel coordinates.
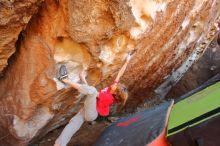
(195, 109)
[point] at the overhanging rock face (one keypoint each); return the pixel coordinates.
(168, 36)
(14, 17)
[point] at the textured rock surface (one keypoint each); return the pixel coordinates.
(206, 67)
(170, 48)
(168, 37)
(14, 17)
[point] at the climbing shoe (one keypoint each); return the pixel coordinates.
(63, 74)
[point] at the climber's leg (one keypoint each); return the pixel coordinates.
(70, 129)
(90, 112)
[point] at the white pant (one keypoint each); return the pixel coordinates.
(87, 113)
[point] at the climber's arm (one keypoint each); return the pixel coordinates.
(122, 70)
(72, 84)
(120, 73)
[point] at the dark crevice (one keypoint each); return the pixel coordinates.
(13, 57)
(218, 39)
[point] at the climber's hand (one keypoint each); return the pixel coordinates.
(128, 57)
(83, 75)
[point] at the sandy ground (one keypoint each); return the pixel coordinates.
(86, 136)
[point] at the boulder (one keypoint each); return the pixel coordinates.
(167, 37)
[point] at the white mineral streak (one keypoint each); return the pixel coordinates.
(110, 51)
(164, 88)
(197, 5)
(166, 46)
(193, 34)
(144, 12)
(185, 23)
(106, 55)
(111, 48)
(28, 129)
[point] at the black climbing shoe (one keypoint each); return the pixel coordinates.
(63, 74)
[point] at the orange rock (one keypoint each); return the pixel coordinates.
(97, 35)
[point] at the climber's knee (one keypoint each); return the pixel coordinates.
(91, 116)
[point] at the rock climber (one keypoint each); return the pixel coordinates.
(95, 102)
